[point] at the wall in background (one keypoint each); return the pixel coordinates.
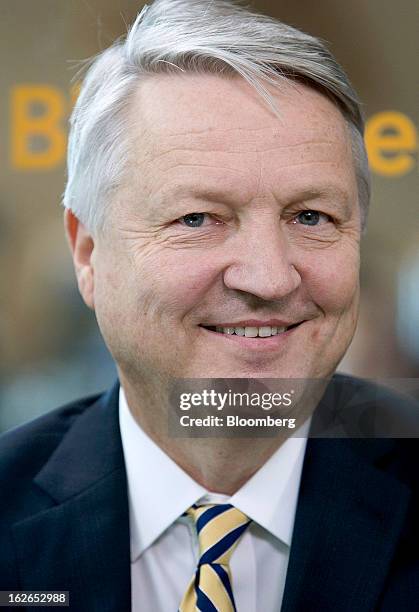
(50, 349)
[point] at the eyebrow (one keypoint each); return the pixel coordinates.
(230, 197)
(195, 192)
(330, 192)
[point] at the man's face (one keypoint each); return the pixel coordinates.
(231, 218)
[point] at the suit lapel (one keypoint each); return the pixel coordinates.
(348, 522)
(81, 543)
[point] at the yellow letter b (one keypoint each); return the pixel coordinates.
(38, 138)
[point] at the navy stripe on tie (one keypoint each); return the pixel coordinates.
(211, 513)
(197, 577)
(203, 603)
(225, 580)
(224, 544)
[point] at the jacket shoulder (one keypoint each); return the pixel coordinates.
(379, 422)
(24, 449)
(373, 390)
(394, 412)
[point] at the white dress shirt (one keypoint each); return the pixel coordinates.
(164, 544)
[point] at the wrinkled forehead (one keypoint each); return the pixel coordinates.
(219, 132)
(208, 108)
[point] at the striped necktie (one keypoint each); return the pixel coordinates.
(219, 528)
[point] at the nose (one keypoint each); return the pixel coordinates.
(261, 263)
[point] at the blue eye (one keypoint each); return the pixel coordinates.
(310, 217)
(194, 219)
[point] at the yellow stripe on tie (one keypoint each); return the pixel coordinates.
(223, 527)
(211, 584)
(219, 527)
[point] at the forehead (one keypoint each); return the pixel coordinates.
(185, 98)
(204, 126)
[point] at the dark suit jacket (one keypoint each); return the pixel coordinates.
(64, 515)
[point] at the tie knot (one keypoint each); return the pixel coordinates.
(219, 528)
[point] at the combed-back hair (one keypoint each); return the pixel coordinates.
(200, 36)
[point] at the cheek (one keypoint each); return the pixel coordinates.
(114, 291)
(112, 301)
(172, 283)
(333, 282)
(153, 285)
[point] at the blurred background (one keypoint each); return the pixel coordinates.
(50, 349)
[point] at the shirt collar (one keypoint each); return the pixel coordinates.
(156, 481)
(270, 496)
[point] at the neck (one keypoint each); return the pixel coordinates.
(219, 464)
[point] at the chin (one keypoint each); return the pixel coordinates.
(248, 372)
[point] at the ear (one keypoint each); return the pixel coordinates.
(82, 248)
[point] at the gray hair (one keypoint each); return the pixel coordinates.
(200, 36)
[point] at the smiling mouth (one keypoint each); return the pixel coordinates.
(265, 331)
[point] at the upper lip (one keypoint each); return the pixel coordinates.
(254, 323)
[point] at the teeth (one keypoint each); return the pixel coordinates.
(251, 332)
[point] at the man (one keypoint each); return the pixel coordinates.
(217, 190)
